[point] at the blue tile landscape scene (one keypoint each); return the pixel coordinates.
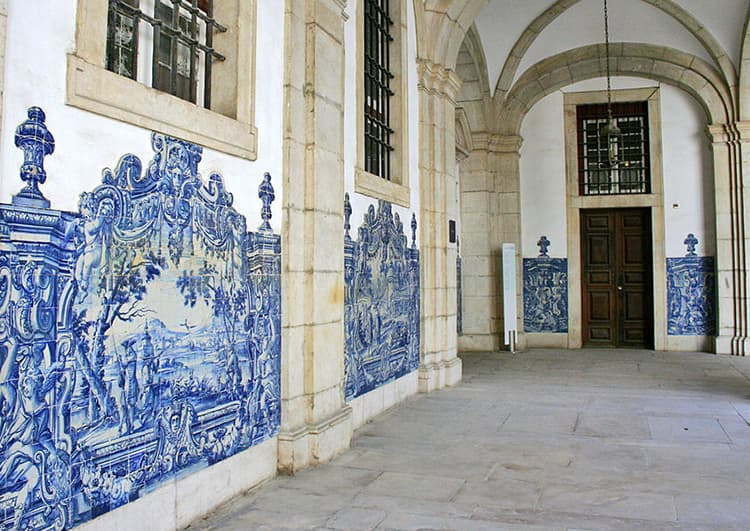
(691, 295)
(381, 301)
(139, 337)
(545, 294)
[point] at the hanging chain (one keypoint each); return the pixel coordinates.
(606, 47)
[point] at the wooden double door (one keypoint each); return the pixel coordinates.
(616, 258)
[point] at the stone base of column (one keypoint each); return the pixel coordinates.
(735, 345)
(439, 374)
(479, 343)
(315, 444)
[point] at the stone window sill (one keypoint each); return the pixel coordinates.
(371, 185)
(95, 89)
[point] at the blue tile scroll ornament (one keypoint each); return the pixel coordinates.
(381, 301)
(139, 337)
(545, 294)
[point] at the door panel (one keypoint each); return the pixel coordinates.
(617, 271)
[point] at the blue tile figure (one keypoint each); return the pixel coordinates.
(691, 296)
(545, 295)
(381, 302)
(139, 339)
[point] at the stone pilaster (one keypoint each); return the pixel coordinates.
(731, 151)
(316, 422)
(440, 364)
(480, 266)
(504, 158)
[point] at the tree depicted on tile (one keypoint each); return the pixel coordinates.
(691, 293)
(381, 315)
(139, 338)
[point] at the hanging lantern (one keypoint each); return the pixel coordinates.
(610, 137)
(609, 133)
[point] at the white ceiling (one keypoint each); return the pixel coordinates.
(502, 22)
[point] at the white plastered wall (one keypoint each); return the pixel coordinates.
(687, 175)
(86, 143)
(370, 404)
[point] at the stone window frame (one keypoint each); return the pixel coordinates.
(397, 189)
(229, 126)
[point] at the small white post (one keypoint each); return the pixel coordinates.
(509, 295)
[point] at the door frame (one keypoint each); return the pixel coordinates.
(617, 247)
(575, 203)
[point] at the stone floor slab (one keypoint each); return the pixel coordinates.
(546, 439)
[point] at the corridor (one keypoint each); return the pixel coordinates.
(547, 439)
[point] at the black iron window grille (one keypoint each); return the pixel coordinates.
(179, 36)
(621, 167)
(378, 92)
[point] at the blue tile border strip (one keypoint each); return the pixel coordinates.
(691, 296)
(545, 295)
(381, 301)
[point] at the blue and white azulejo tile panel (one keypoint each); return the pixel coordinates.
(139, 337)
(545, 294)
(691, 296)
(381, 302)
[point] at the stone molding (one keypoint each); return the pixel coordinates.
(315, 443)
(438, 80)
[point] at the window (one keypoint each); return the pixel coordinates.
(378, 91)
(630, 175)
(171, 50)
(382, 132)
(182, 67)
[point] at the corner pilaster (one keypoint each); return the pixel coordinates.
(731, 151)
(440, 365)
(316, 422)
(505, 156)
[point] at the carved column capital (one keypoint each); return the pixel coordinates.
(509, 144)
(436, 79)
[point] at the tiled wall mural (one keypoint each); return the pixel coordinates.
(381, 315)
(691, 295)
(139, 337)
(545, 292)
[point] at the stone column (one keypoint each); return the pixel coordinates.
(731, 150)
(440, 365)
(316, 422)
(480, 267)
(504, 157)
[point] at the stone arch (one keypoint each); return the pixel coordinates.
(533, 30)
(744, 66)
(444, 26)
(464, 142)
(683, 70)
(474, 95)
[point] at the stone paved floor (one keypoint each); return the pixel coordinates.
(547, 439)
